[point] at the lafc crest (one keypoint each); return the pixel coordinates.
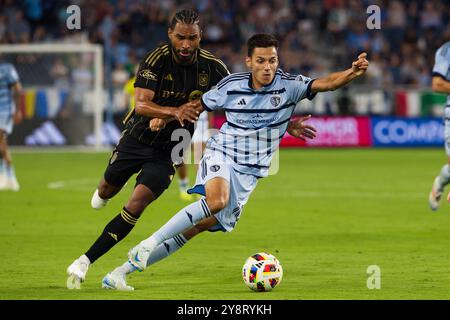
(203, 79)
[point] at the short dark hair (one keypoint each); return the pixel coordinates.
(185, 16)
(261, 40)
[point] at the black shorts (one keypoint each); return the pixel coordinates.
(155, 167)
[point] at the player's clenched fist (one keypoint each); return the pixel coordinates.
(360, 66)
(157, 124)
(187, 112)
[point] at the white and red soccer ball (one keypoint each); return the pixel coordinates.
(262, 272)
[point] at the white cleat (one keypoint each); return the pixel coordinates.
(3, 181)
(12, 184)
(116, 281)
(77, 273)
(139, 255)
(96, 202)
(435, 195)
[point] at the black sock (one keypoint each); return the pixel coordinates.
(115, 230)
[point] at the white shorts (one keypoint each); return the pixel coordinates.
(213, 165)
(201, 130)
(6, 122)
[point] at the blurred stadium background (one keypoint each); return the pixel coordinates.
(332, 211)
(317, 37)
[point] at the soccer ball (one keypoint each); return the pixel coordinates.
(262, 272)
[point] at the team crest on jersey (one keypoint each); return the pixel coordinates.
(195, 95)
(275, 100)
(214, 168)
(203, 79)
(147, 74)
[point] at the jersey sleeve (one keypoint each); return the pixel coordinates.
(300, 87)
(13, 77)
(213, 99)
(441, 64)
(148, 74)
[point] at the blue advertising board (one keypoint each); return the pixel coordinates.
(407, 132)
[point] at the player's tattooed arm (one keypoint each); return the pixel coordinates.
(337, 80)
(297, 128)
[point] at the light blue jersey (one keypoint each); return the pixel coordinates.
(256, 119)
(8, 77)
(442, 64)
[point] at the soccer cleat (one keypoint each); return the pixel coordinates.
(116, 281)
(435, 195)
(97, 202)
(3, 181)
(12, 184)
(77, 273)
(139, 255)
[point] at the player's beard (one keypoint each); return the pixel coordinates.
(185, 56)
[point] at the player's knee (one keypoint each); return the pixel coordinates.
(103, 190)
(106, 191)
(217, 203)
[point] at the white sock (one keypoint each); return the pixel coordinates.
(444, 177)
(184, 219)
(10, 171)
(126, 268)
(166, 248)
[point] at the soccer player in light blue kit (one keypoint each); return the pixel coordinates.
(258, 107)
(10, 89)
(441, 83)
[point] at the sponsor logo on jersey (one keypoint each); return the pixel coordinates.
(147, 74)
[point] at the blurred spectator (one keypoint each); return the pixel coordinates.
(18, 28)
(120, 76)
(82, 81)
(60, 74)
(315, 36)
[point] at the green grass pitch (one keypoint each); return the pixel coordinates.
(327, 215)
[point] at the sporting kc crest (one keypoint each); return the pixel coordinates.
(275, 100)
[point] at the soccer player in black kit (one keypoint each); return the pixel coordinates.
(168, 85)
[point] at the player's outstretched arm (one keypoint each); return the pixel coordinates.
(337, 80)
(440, 85)
(297, 128)
(17, 88)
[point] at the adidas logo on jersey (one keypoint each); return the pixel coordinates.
(242, 102)
(168, 77)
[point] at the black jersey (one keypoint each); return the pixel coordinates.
(174, 84)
